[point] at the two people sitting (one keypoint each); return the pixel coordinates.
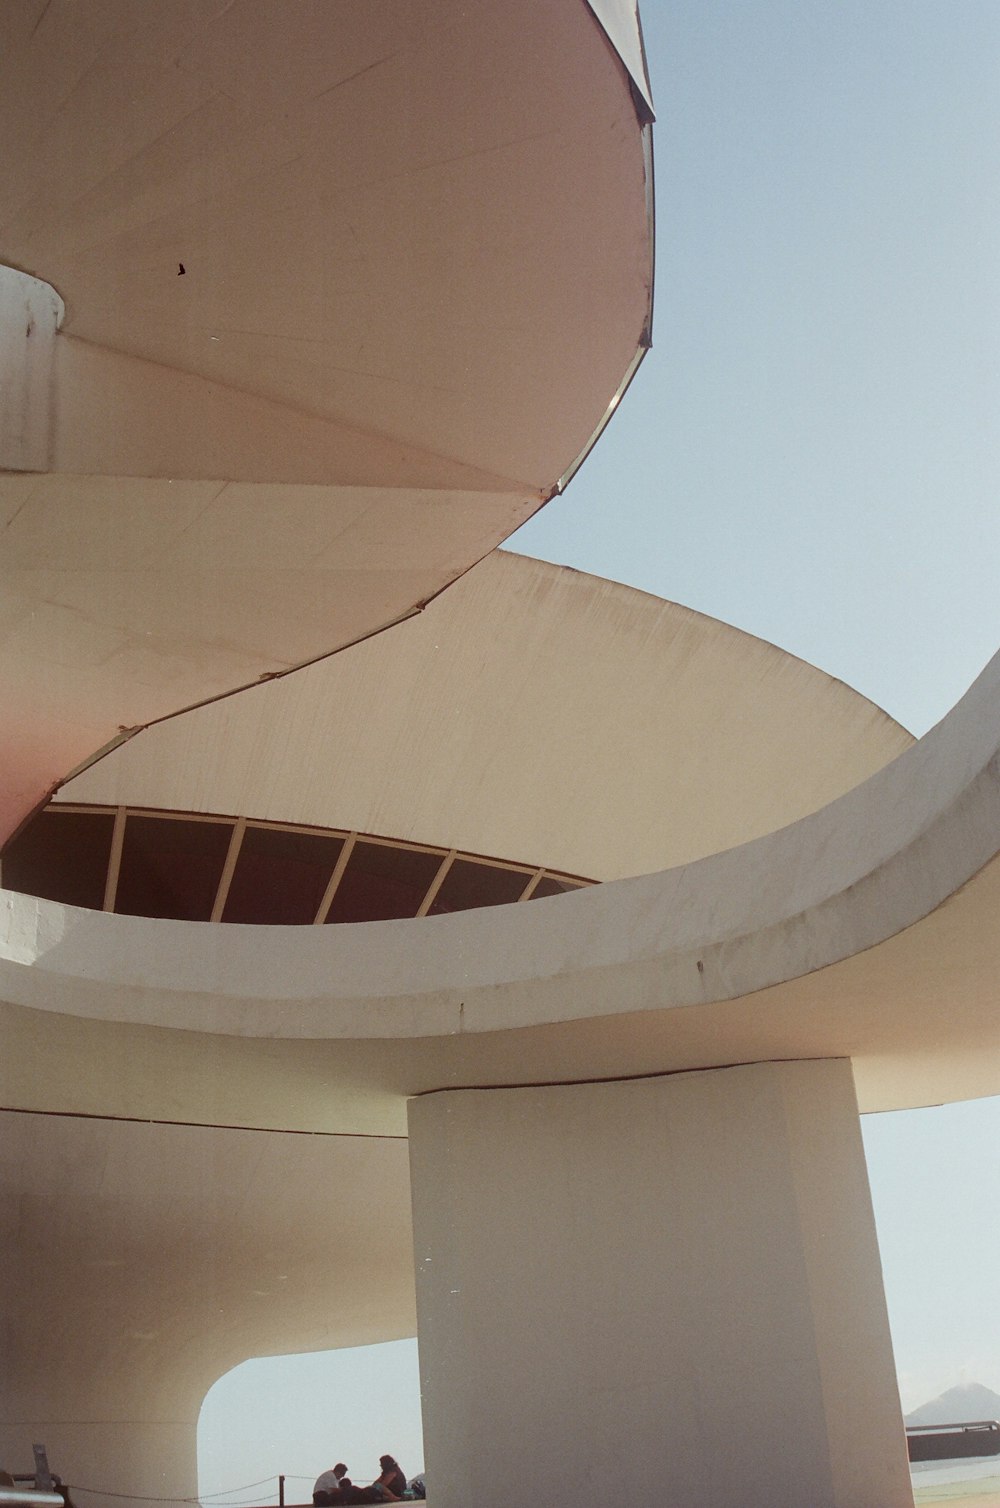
(335, 1486)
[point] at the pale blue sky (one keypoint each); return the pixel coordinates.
(810, 452)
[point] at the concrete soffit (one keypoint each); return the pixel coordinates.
(847, 887)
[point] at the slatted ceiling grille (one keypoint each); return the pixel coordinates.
(65, 858)
(435, 885)
(281, 876)
(469, 885)
(381, 882)
(171, 868)
(333, 884)
(227, 868)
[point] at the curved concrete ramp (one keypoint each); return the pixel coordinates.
(305, 309)
(864, 930)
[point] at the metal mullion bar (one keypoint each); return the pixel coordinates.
(170, 814)
(309, 829)
(404, 845)
(437, 882)
(323, 910)
(510, 865)
(228, 869)
(531, 886)
(114, 860)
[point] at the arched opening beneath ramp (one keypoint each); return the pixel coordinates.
(297, 1415)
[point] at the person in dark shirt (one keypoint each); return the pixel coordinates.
(391, 1478)
(386, 1488)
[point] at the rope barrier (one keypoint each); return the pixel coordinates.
(208, 1497)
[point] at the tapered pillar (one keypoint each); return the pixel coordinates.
(663, 1289)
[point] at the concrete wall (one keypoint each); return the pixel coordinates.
(670, 1287)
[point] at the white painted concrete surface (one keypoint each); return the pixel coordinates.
(664, 1290)
(531, 712)
(830, 937)
(258, 222)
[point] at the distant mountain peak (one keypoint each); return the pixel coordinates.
(967, 1401)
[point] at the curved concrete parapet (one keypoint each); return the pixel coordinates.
(864, 930)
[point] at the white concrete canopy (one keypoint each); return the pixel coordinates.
(862, 930)
(341, 294)
(332, 1029)
(859, 931)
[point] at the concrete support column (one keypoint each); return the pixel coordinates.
(663, 1289)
